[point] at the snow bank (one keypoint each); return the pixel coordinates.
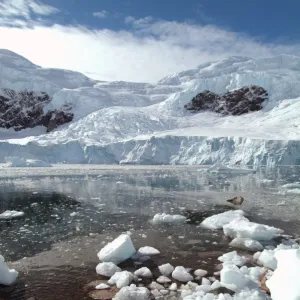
(118, 250)
(241, 228)
(10, 214)
(165, 218)
(18, 162)
(219, 220)
(7, 276)
(284, 284)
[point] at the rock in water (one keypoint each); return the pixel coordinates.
(118, 250)
(237, 102)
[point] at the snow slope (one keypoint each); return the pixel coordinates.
(122, 122)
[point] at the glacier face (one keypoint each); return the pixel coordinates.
(140, 123)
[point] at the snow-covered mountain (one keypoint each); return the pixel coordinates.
(124, 122)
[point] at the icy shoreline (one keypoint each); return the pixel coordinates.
(178, 150)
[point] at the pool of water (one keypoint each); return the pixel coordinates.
(71, 212)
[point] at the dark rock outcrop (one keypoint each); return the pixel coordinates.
(21, 110)
(237, 102)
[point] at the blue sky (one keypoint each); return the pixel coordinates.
(143, 40)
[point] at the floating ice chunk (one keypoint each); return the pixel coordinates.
(121, 279)
(166, 269)
(165, 218)
(163, 279)
(10, 214)
(200, 273)
(7, 276)
(215, 285)
(267, 259)
(220, 168)
(284, 284)
(234, 279)
(118, 250)
(164, 292)
(107, 269)
(219, 220)
(143, 272)
(241, 228)
(248, 244)
(156, 286)
(205, 281)
(18, 162)
(102, 286)
(173, 287)
(73, 214)
(250, 294)
(147, 251)
(181, 274)
(234, 258)
(295, 185)
(133, 292)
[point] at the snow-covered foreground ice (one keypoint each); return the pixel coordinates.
(160, 130)
(7, 276)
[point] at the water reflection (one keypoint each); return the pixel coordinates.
(63, 207)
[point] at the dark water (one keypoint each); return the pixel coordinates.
(56, 250)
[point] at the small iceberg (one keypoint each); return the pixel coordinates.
(7, 276)
(10, 214)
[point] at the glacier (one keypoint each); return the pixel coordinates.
(141, 123)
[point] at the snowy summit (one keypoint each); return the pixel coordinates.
(230, 110)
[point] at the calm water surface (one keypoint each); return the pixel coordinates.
(72, 211)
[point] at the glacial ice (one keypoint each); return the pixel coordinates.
(7, 276)
(219, 220)
(10, 214)
(118, 250)
(132, 292)
(107, 269)
(165, 218)
(181, 274)
(166, 269)
(248, 244)
(18, 162)
(121, 279)
(147, 251)
(241, 228)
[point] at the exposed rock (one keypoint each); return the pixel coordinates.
(25, 109)
(237, 102)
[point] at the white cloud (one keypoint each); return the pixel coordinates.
(100, 14)
(20, 12)
(146, 53)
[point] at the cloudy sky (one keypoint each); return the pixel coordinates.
(145, 40)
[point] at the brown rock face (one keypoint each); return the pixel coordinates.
(20, 110)
(238, 102)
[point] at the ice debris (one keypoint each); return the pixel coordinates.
(148, 251)
(166, 269)
(10, 214)
(165, 218)
(219, 220)
(7, 276)
(107, 269)
(181, 274)
(143, 272)
(118, 250)
(241, 228)
(133, 292)
(248, 244)
(121, 279)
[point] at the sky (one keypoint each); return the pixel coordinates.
(146, 40)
